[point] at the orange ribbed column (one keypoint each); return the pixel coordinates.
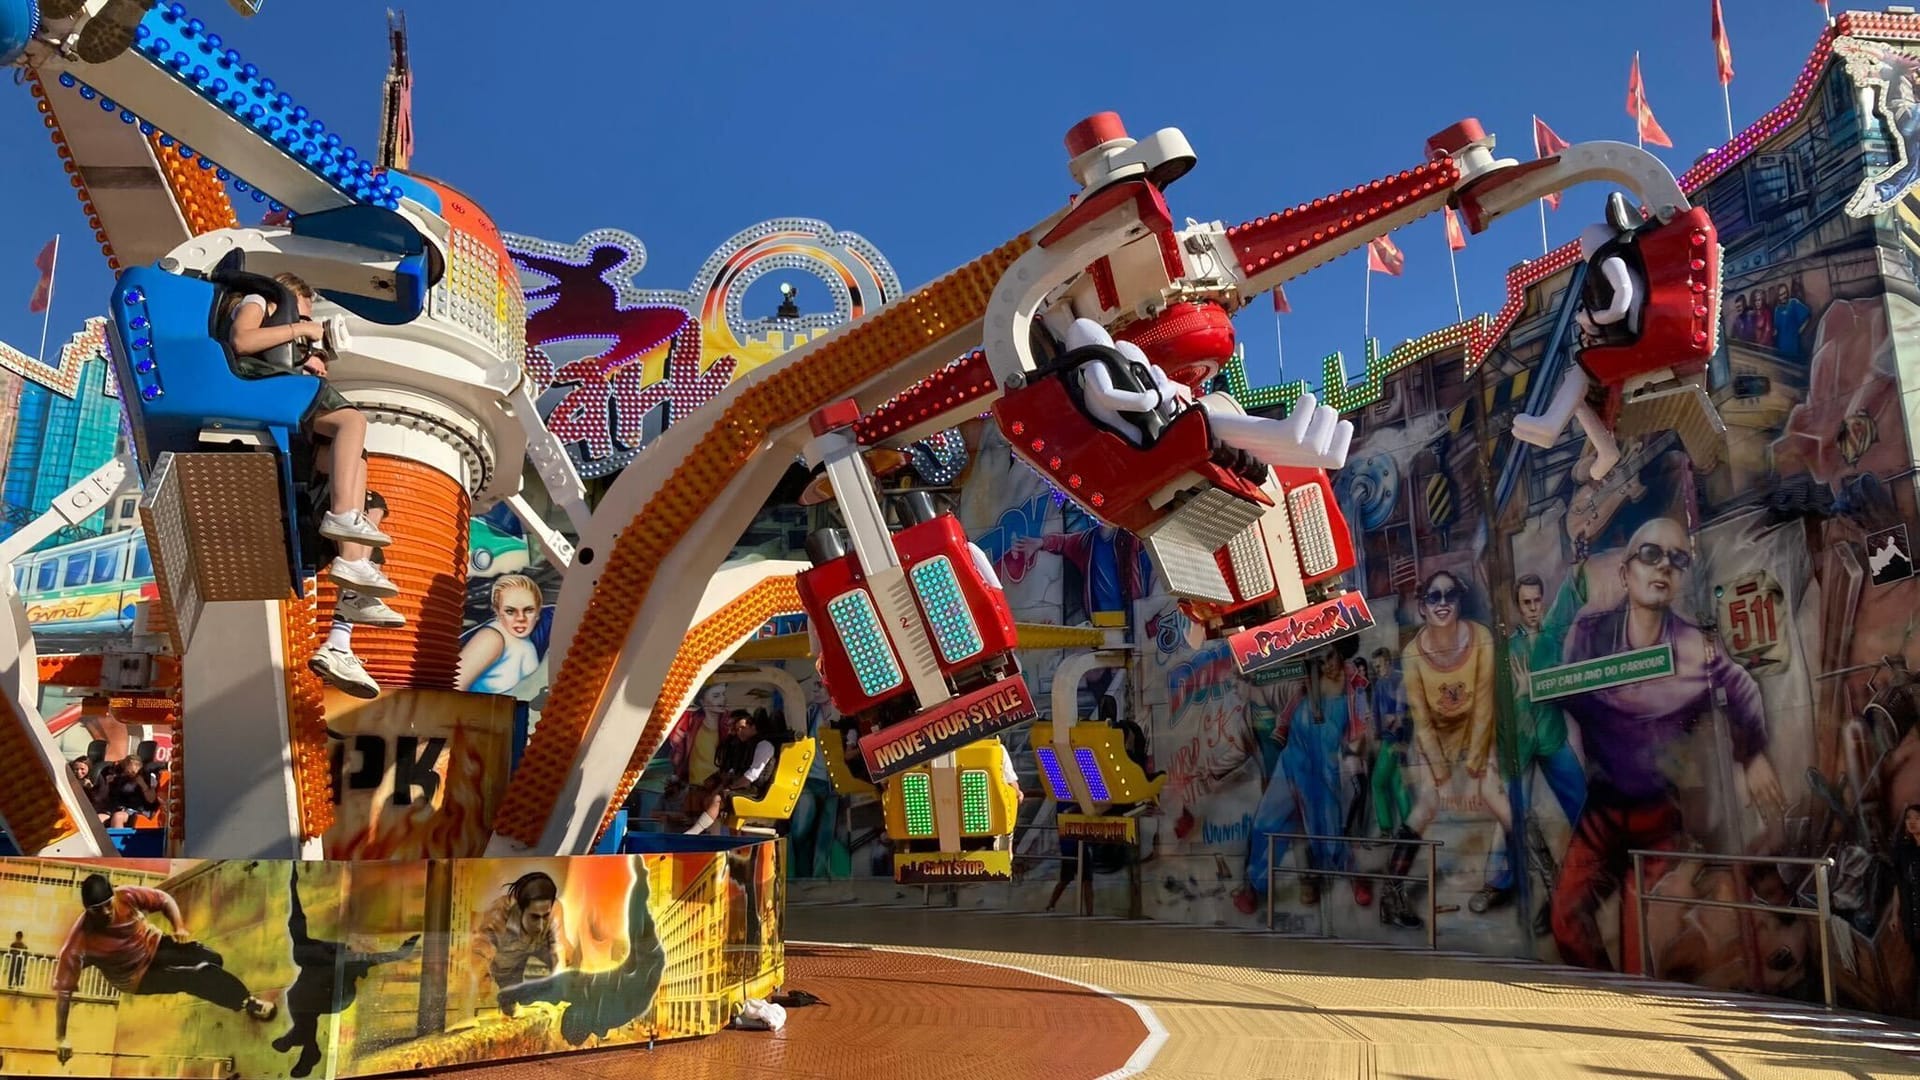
(427, 514)
(307, 718)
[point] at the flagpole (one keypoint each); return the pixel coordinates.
(1726, 98)
(1544, 249)
(1366, 312)
(1279, 347)
(1459, 312)
(47, 315)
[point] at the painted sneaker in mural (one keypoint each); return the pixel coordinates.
(1396, 909)
(1487, 899)
(1245, 899)
(1363, 893)
(110, 33)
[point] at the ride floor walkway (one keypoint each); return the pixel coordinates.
(938, 993)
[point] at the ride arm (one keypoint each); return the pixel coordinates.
(1462, 172)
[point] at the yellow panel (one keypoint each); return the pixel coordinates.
(789, 777)
(1127, 783)
(833, 745)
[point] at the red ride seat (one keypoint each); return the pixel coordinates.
(1107, 475)
(1680, 320)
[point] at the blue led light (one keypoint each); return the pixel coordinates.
(249, 72)
(133, 296)
(67, 80)
(858, 626)
(127, 117)
(195, 26)
(137, 323)
(205, 164)
(159, 45)
(213, 42)
(150, 392)
(142, 32)
(144, 366)
(146, 128)
(1090, 772)
(200, 73)
(224, 175)
(1050, 769)
(178, 60)
(89, 92)
(107, 105)
(166, 140)
(217, 87)
(142, 343)
(229, 58)
(954, 630)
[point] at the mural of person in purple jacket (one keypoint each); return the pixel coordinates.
(1632, 734)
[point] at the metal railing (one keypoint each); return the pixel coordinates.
(1822, 911)
(31, 974)
(1430, 880)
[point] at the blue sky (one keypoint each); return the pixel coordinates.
(937, 134)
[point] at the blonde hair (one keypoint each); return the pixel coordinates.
(509, 582)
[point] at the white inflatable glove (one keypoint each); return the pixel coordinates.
(1312, 436)
(1103, 399)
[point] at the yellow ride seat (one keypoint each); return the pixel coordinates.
(1126, 782)
(783, 793)
(833, 745)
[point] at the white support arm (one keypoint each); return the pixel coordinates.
(550, 460)
(94, 493)
(555, 546)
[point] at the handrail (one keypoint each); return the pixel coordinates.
(1822, 911)
(1431, 879)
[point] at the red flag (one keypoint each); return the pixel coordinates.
(1642, 113)
(1280, 305)
(1383, 256)
(1722, 48)
(43, 290)
(1546, 144)
(1456, 237)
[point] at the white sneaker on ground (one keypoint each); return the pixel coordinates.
(344, 671)
(352, 607)
(362, 577)
(352, 528)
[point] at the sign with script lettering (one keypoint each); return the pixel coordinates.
(1097, 828)
(962, 721)
(1272, 645)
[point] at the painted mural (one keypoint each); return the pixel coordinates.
(1672, 660)
(190, 968)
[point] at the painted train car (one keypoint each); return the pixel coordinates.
(89, 588)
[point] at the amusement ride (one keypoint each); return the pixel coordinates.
(1094, 337)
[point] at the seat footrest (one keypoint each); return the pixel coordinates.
(216, 524)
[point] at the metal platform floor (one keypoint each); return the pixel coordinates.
(936, 993)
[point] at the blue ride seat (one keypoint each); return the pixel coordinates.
(175, 366)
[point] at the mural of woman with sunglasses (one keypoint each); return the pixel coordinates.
(1633, 737)
(1448, 673)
